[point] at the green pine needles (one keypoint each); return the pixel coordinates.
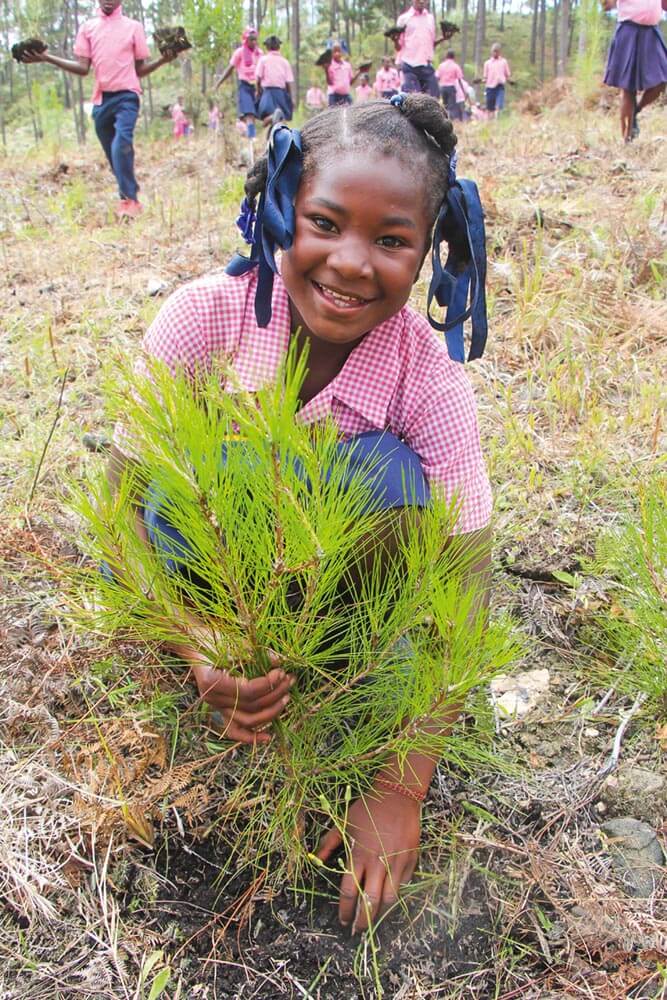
(634, 628)
(285, 558)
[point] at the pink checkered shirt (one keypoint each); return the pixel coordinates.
(399, 378)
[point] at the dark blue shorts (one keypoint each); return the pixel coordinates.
(272, 98)
(246, 99)
(396, 480)
(495, 98)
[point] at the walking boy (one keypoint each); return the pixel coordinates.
(115, 46)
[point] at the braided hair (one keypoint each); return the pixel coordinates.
(419, 134)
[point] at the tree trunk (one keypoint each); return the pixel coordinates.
(149, 86)
(333, 18)
(533, 32)
(564, 36)
(80, 113)
(554, 38)
(543, 38)
(480, 33)
(501, 26)
(296, 45)
(464, 34)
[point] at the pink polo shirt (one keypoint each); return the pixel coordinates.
(496, 71)
(248, 72)
(339, 76)
(364, 92)
(418, 40)
(273, 70)
(387, 79)
(112, 42)
(448, 72)
(314, 97)
(399, 378)
(640, 11)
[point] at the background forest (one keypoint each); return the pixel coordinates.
(541, 39)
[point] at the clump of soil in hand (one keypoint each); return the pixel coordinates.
(394, 31)
(29, 47)
(171, 40)
(448, 29)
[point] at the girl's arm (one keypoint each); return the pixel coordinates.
(247, 707)
(384, 827)
(224, 76)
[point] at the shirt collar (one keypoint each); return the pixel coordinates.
(367, 381)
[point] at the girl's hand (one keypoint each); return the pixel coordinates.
(383, 831)
(248, 707)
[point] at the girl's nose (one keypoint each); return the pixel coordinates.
(351, 259)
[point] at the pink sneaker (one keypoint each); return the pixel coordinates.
(129, 208)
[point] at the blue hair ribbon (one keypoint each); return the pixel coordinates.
(459, 286)
(274, 221)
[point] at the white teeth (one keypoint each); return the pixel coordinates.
(339, 298)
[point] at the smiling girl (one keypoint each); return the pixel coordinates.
(356, 236)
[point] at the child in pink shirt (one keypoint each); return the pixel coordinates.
(387, 80)
(315, 98)
(180, 120)
(213, 116)
(276, 81)
(449, 74)
(354, 246)
(244, 60)
(340, 77)
(364, 92)
(495, 76)
(416, 47)
(637, 59)
(115, 46)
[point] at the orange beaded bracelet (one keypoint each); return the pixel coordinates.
(400, 789)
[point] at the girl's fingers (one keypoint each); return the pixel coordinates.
(349, 895)
(370, 899)
(255, 720)
(271, 698)
(241, 735)
(329, 843)
(249, 692)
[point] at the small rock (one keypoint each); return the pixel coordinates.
(515, 696)
(591, 732)
(635, 854)
(638, 791)
(156, 286)
(96, 442)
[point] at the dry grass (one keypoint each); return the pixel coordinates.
(103, 751)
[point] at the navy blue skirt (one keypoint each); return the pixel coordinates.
(637, 57)
(272, 98)
(393, 472)
(246, 99)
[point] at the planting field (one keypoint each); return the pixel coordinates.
(114, 874)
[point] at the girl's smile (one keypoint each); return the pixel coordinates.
(360, 240)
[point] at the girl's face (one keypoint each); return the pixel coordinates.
(360, 241)
(337, 53)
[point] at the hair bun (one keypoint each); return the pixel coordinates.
(427, 114)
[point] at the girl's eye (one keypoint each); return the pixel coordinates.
(326, 225)
(391, 242)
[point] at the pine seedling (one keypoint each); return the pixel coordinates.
(279, 537)
(633, 629)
